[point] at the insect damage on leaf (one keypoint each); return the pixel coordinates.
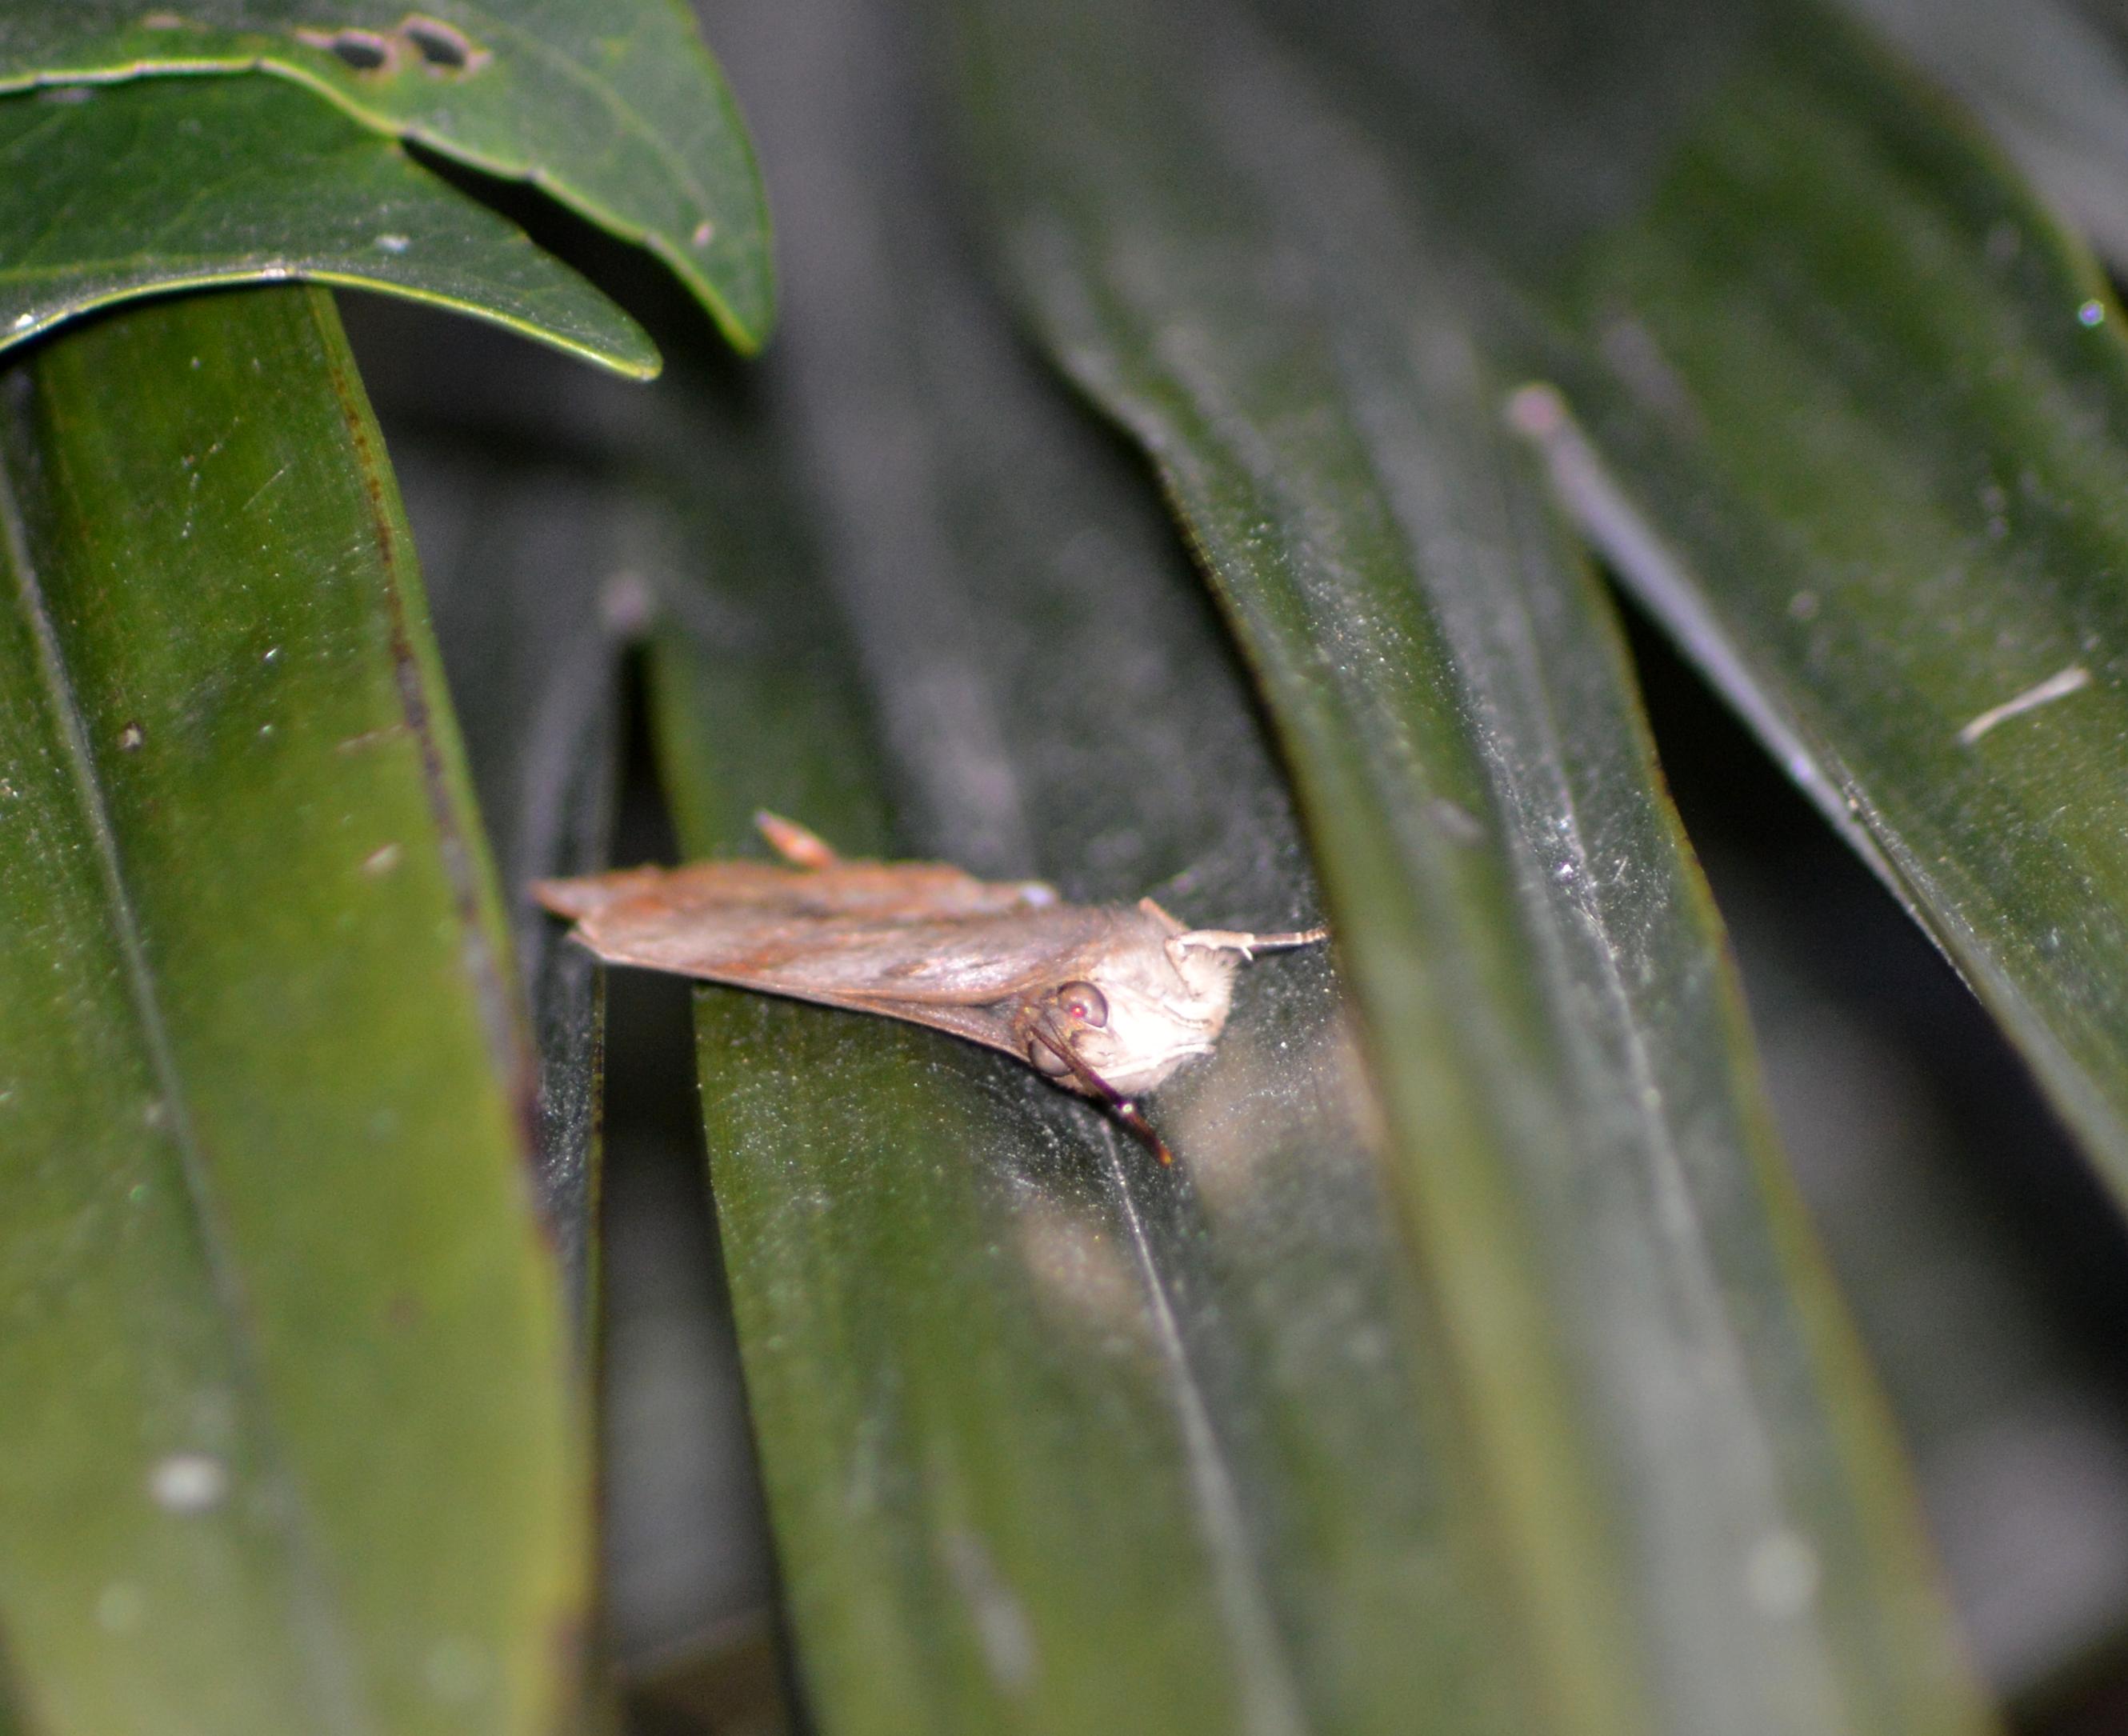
(1104, 1000)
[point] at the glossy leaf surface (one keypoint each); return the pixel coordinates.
(290, 1442)
(108, 194)
(1572, 1116)
(1854, 425)
(1053, 1438)
(527, 561)
(616, 109)
(2050, 82)
(539, 527)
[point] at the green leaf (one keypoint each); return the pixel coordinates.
(527, 559)
(2050, 83)
(1582, 1156)
(1054, 1440)
(291, 1442)
(10, 1712)
(616, 109)
(539, 531)
(109, 194)
(1954, 1222)
(1852, 413)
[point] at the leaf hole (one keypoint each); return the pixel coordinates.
(442, 46)
(364, 50)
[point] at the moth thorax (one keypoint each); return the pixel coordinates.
(1207, 976)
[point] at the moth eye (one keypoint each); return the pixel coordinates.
(1083, 1002)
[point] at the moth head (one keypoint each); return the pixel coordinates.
(1138, 1014)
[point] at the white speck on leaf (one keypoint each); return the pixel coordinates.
(1001, 1625)
(1781, 1574)
(2057, 686)
(188, 1482)
(1536, 411)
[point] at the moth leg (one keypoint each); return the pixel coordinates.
(1233, 940)
(793, 843)
(1118, 1106)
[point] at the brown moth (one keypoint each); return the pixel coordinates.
(1102, 999)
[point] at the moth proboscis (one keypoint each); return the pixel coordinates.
(1106, 999)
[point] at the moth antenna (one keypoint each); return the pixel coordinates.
(794, 842)
(1233, 940)
(1117, 1103)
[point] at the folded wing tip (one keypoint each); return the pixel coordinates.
(584, 897)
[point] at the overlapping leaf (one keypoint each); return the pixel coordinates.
(530, 598)
(616, 109)
(1051, 1439)
(107, 194)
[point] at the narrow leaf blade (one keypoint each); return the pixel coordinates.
(1851, 425)
(2051, 83)
(1054, 1440)
(1583, 1155)
(527, 574)
(292, 1443)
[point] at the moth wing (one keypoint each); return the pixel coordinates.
(972, 962)
(990, 1025)
(893, 956)
(884, 890)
